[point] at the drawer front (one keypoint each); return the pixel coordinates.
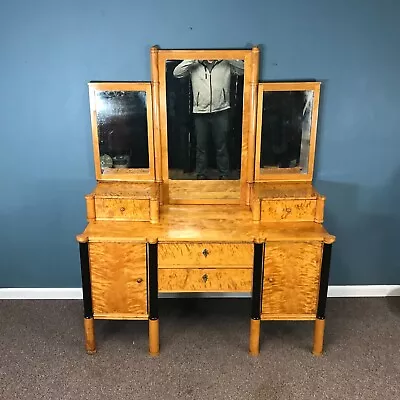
(205, 280)
(288, 210)
(291, 280)
(118, 279)
(205, 254)
(122, 209)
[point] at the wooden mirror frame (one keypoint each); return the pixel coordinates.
(205, 191)
(131, 174)
(287, 174)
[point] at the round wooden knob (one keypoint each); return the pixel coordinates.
(139, 280)
(122, 209)
(205, 278)
(288, 210)
(270, 279)
(205, 252)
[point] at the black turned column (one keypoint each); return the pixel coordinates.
(323, 294)
(90, 342)
(152, 257)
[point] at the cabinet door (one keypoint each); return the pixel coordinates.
(119, 280)
(291, 280)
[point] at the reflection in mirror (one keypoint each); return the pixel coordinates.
(204, 118)
(122, 130)
(286, 130)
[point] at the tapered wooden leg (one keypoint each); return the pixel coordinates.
(154, 337)
(319, 329)
(254, 348)
(90, 342)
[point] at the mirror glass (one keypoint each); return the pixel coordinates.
(204, 118)
(286, 130)
(122, 130)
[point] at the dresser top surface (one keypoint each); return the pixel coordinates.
(285, 190)
(204, 223)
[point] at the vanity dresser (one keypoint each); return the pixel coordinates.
(204, 185)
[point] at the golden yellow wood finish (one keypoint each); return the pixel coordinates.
(129, 174)
(90, 342)
(249, 58)
(129, 190)
(118, 278)
(196, 192)
(254, 347)
(319, 329)
(154, 337)
(202, 223)
(319, 212)
(90, 208)
(122, 316)
(290, 174)
(205, 254)
(155, 87)
(122, 209)
(205, 280)
(291, 279)
(288, 210)
(284, 191)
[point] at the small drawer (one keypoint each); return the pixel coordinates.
(288, 210)
(205, 254)
(205, 280)
(122, 209)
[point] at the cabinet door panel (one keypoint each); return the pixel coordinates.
(291, 280)
(118, 278)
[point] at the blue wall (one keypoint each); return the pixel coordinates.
(51, 49)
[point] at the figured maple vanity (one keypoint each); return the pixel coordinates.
(283, 263)
(158, 224)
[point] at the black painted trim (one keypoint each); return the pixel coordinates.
(152, 249)
(323, 284)
(258, 266)
(86, 285)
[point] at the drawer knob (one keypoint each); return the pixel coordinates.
(288, 210)
(122, 209)
(139, 280)
(270, 279)
(205, 278)
(205, 252)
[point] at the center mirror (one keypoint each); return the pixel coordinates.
(204, 118)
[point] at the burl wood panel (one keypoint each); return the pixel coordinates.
(205, 280)
(205, 254)
(291, 280)
(288, 210)
(122, 209)
(118, 278)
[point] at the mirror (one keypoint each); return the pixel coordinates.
(120, 122)
(204, 104)
(287, 127)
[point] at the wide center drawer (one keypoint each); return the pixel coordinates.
(205, 280)
(205, 254)
(122, 209)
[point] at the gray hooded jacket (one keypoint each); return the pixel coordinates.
(210, 82)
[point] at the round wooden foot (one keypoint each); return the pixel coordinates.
(254, 348)
(319, 329)
(90, 342)
(154, 340)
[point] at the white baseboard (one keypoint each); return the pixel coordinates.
(76, 293)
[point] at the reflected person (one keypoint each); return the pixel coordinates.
(211, 80)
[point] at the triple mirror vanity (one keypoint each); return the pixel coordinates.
(204, 185)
